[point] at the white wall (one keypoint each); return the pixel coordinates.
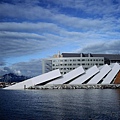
(115, 69)
(36, 80)
(69, 76)
(88, 74)
(104, 71)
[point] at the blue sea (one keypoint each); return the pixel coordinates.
(79, 104)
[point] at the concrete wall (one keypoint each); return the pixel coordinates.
(69, 76)
(88, 74)
(36, 80)
(104, 71)
(109, 78)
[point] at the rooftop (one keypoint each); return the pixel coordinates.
(108, 56)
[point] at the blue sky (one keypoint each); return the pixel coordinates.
(34, 29)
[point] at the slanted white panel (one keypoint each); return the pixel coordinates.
(104, 71)
(69, 76)
(88, 74)
(115, 69)
(36, 80)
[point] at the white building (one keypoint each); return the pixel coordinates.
(66, 64)
(106, 74)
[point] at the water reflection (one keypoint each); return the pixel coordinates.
(60, 104)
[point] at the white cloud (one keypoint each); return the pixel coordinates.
(20, 35)
(39, 27)
(24, 10)
(28, 27)
(30, 68)
(103, 47)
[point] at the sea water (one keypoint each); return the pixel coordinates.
(78, 104)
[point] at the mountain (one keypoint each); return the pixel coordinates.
(11, 77)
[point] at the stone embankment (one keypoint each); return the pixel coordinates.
(81, 86)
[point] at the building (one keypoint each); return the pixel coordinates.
(66, 62)
(101, 76)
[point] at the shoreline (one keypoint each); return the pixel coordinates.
(78, 86)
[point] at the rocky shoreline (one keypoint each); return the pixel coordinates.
(80, 86)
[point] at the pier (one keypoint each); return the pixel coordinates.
(78, 86)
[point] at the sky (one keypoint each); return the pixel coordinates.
(31, 30)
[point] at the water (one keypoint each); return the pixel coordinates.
(80, 104)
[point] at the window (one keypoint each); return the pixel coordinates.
(54, 60)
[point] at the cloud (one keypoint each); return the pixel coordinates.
(2, 63)
(30, 68)
(104, 47)
(28, 27)
(19, 35)
(5, 70)
(96, 7)
(32, 27)
(18, 47)
(28, 11)
(23, 10)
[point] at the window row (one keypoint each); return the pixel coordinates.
(78, 64)
(74, 60)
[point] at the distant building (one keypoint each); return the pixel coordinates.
(66, 62)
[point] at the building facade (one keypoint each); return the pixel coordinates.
(75, 79)
(66, 62)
